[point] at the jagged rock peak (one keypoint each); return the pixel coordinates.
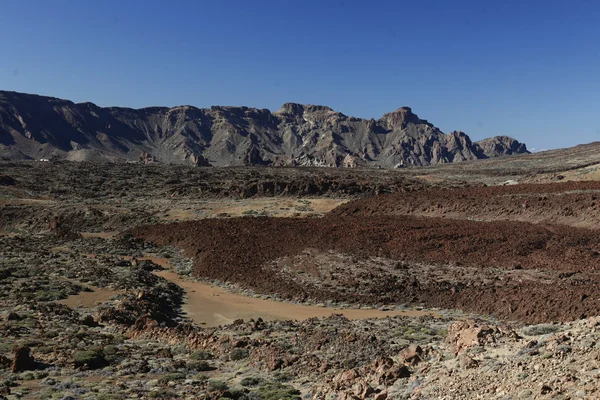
(501, 145)
(458, 133)
(401, 117)
(291, 108)
(38, 127)
(299, 109)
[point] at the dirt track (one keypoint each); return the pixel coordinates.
(485, 267)
(569, 203)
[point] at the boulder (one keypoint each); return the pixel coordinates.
(412, 355)
(23, 361)
(463, 335)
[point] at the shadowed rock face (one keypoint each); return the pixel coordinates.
(37, 127)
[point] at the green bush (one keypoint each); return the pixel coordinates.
(217, 386)
(250, 381)
(201, 377)
(92, 359)
(238, 354)
(278, 391)
(177, 376)
(542, 329)
(163, 394)
(282, 377)
(201, 355)
(110, 350)
(199, 366)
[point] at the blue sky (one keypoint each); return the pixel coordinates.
(527, 69)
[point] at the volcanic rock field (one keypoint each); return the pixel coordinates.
(158, 281)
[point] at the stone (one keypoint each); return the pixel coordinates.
(467, 362)
(545, 389)
(13, 316)
(462, 335)
(381, 395)
(412, 354)
(23, 361)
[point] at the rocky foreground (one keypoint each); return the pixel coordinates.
(134, 343)
(87, 310)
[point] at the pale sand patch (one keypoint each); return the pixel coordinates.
(212, 306)
(26, 201)
(102, 235)
(591, 173)
(177, 214)
(274, 207)
(89, 299)
(430, 178)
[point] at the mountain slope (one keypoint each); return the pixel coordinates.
(37, 127)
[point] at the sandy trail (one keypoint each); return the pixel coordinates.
(213, 306)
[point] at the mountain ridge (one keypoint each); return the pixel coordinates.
(35, 127)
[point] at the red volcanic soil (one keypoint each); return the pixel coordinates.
(569, 203)
(513, 270)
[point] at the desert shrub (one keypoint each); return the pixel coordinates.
(238, 354)
(177, 376)
(477, 350)
(201, 355)
(6, 347)
(250, 381)
(110, 349)
(28, 376)
(563, 348)
(199, 366)
(163, 394)
(92, 359)
(542, 329)
(282, 377)
(201, 377)
(278, 391)
(9, 382)
(217, 386)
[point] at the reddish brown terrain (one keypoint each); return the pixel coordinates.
(513, 270)
(568, 203)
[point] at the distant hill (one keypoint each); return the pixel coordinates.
(36, 127)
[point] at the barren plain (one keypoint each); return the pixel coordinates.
(472, 280)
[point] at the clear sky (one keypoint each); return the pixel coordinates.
(527, 69)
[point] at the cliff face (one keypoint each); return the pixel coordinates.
(34, 127)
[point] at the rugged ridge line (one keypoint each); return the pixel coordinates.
(38, 127)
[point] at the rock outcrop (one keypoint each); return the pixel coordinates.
(498, 146)
(46, 128)
(23, 361)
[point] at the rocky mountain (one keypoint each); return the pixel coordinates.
(38, 127)
(501, 146)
